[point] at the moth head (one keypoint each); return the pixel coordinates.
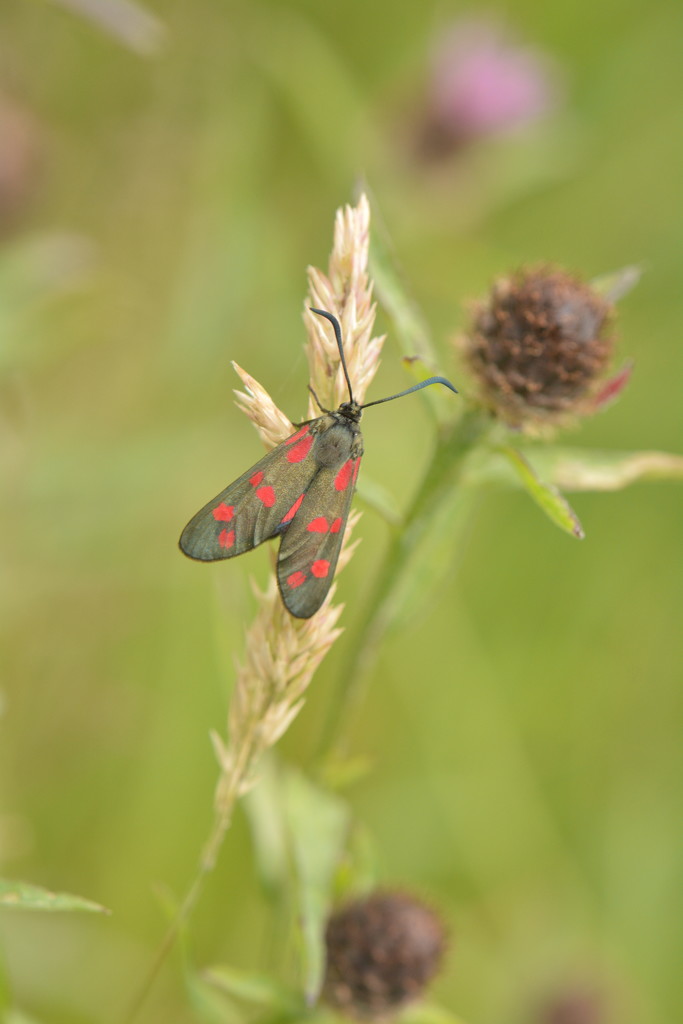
(351, 409)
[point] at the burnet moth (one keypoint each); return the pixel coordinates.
(300, 491)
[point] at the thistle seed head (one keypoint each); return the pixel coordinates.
(539, 346)
(382, 951)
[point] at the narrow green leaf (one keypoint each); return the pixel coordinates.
(129, 23)
(318, 825)
(379, 499)
(211, 1004)
(258, 989)
(547, 496)
(615, 285)
(359, 872)
(580, 469)
(263, 807)
(575, 469)
(25, 896)
(434, 559)
(411, 328)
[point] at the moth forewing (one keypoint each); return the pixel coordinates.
(259, 505)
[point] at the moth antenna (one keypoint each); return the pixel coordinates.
(337, 333)
(415, 387)
(317, 400)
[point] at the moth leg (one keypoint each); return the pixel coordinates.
(317, 400)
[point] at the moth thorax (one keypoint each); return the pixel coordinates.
(334, 446)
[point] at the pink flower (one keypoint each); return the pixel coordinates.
(484, 83)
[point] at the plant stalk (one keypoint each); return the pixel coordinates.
(227, 793)
(443, 475)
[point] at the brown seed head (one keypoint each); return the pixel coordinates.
(580, 1006)
(381, 953)
(538, 347)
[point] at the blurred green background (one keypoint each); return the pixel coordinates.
(166, 191)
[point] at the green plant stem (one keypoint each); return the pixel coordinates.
(454, 445)
(227, 794)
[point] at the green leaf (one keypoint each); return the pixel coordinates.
(258, 989)
(411, 328)
(615, 285)
(263, 807)
(576, 469)
(546, 496)
(210, 1004)
(359, 871)
(129, 23)
(580, 469)
(379, 499)
(318, 824)
(25, 896)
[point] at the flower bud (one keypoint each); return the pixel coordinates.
(539, 346)
(382, 951)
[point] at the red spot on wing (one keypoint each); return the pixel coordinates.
(293, 510)
(256, 479)
(266, 495)
(341, 481)
(226, 538)
(223, 513)
(296, 579)
(320, 568)
(318, 525)
(356, 467)
(300, 450)
(295, 437)
(336, 526)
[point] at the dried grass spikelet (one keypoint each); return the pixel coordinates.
(283, 653)
(347, 292)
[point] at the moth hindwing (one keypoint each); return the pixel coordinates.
(301, 490)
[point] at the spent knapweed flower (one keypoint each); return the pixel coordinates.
(577, 1006)
(382, 951)
(538, 348)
